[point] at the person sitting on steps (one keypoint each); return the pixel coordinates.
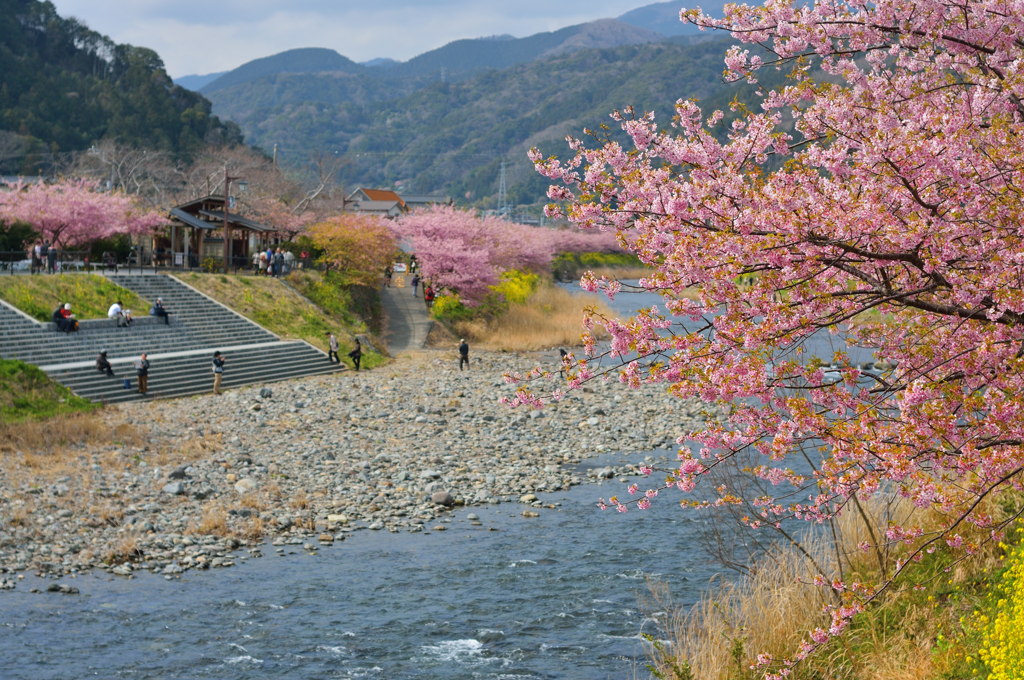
(103, 364)
(64, 319)
(122, 316)
(160, 312)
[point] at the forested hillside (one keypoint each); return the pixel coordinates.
(452, 137)
(64, 87)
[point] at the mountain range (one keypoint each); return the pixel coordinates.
(457, 119)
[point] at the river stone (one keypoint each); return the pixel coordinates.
(442, 498)
(246, 484)
(266, 393)
(178, 473)
(528, 498)
(174, 488)
(530, 513)
(62, 588)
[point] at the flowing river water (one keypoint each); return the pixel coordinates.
(501, 597)
(496, 596)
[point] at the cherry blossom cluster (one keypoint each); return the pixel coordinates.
(876, 196)
(74, 212)
(462, 252)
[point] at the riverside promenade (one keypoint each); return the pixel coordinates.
(406, 320)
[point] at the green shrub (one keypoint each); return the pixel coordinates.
(449, 308)
(568, 266)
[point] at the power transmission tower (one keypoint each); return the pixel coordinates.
(503, 208)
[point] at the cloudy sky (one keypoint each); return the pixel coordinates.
(199, 37)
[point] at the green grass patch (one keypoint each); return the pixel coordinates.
(290, 311)
(26, 393)
(90, 295)
(569, 266)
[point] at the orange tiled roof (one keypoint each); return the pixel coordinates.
(383, 195)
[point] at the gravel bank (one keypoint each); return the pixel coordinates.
(185, 483)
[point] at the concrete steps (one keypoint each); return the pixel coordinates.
(179, 353)
(186, 373)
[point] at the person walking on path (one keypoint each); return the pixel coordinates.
(387, 276)
(415, 283)
(142, 371)
(50, 250)
(356, 355)
(463, 354)
(332, 355)
(37, 257)
(103, 364)
(218, 371)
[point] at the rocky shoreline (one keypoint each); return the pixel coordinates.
(185, 484)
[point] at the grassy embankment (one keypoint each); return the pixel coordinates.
(29, 396)
(304, 306)
(549, 317)
(929, 626)
(90, 295)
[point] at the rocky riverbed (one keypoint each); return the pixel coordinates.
(199, 482)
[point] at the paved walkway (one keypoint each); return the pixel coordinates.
(405, 319)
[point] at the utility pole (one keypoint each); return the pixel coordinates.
(228, 179)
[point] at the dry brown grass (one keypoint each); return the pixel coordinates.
(717, 635)
(214, 521)
(182, 451)
(552, 317)
(107, 514)
(254, 500)
(63, 432)
(300, 501)
(772, 609)
(20, 515)
(125, 549)
(252, 529)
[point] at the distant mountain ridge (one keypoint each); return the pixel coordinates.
(663, 17)
(460, 57)
(301, 60)
(430, 135)
(456, 60)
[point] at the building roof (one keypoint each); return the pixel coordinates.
(237, 220)
(208, 213)
(378, 206)
(427, 200)
(376, 195)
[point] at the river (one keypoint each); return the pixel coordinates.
(497, 596)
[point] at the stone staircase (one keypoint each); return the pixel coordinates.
(179, 353)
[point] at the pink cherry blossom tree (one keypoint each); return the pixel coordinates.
(72, 213)
(465, 253)
(878, 195)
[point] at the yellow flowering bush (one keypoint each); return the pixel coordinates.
(516, 286)
(1002, 648)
